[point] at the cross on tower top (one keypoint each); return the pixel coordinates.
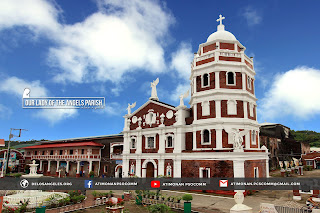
(220, 19)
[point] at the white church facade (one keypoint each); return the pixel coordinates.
(218, 136)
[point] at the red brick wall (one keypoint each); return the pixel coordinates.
(249, 168)
(132, 150)
(223, 81)
(227, 46)
(190, 168)
(224, 109)
(225, 140)
(189, 140)
(211, 83)
(204, 61)
(248, 64)
(144, 150)
(212, 111)
(239, 50)
(209, 48)
(157, 109)
(165, 166)
(224, 58)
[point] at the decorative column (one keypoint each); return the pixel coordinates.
(244, 81)
(161, 167)
(219, 138)
(138, 167)
(162, 142)
(57, 171)
(67, 167)
(125, 167)
(238, 172)
(78, 169)
(90, 166)
(139, 143)
(245, 109)
(40, 167)
(177, 168)
(267, 168)
(194, 140)
(179, 141)
(217, 80)
(218, 108)
(49, 165)
(195, 111)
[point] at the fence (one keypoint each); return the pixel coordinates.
(285, 209)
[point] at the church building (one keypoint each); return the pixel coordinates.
(218, 136)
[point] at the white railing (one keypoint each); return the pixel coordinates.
(57, 157)
(204, 57)
(115, 156)
(230, 54)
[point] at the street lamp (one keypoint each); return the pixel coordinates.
(8, 151)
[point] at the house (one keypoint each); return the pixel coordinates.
(76, 156)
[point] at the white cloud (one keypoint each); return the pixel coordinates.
(180, 89)
(112, 108)
(181, 63)
(121, 37)
(37, 15)
(181, 60)
(293, 93)
(252, 16)
(16, 86)
(5, 112)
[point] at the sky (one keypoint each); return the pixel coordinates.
(115, 48)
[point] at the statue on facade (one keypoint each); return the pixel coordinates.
(130, 107)
(237, 137)
(154, 94)
(183, 96)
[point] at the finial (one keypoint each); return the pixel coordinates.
(220, 26)
(220, 19)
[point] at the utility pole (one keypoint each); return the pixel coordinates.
(8, 151)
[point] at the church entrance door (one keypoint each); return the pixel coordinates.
(150, 170)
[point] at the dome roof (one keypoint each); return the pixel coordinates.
(221, 35)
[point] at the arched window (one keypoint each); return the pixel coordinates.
(205, 80)
(230, 78)
(205, 136)
(232, 107)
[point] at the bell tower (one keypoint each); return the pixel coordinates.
(222, 90)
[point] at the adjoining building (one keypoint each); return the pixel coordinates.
(217, 137)
(280, 143)
(79, 156)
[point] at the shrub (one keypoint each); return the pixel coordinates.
(187, 197)
(91, 174)
(159, 208)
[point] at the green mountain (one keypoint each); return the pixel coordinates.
(311, 137)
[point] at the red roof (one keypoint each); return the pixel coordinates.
(54, 145)
(2, 142)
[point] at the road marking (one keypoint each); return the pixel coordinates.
(199, 194)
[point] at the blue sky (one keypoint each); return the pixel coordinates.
(115, 48)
